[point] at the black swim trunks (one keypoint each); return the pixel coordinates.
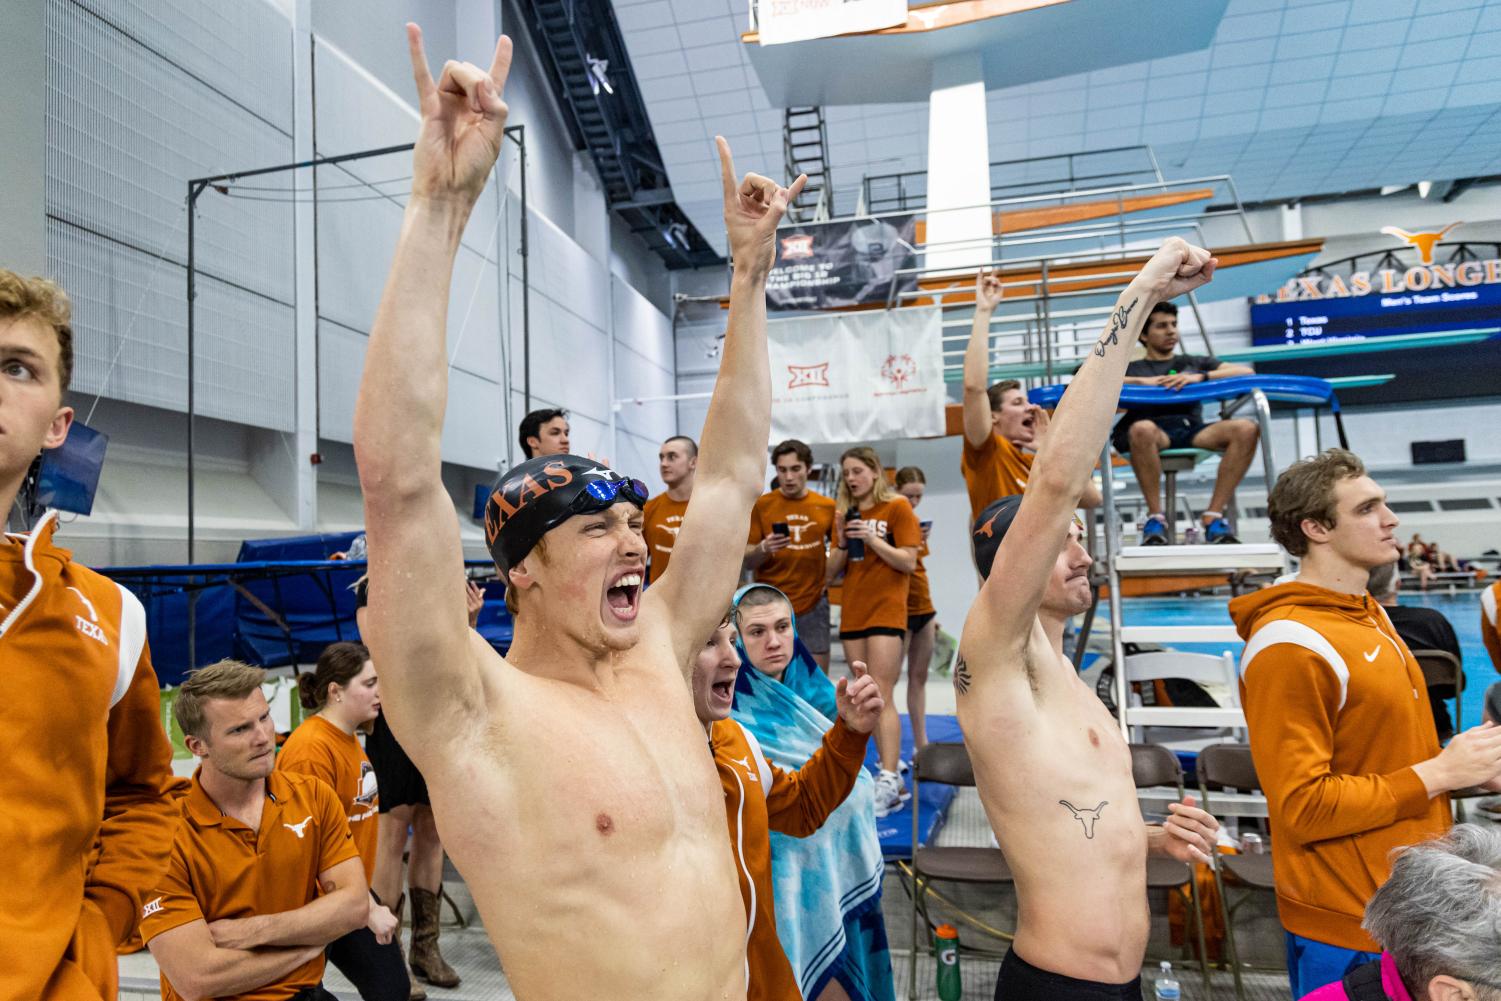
(1021, 981)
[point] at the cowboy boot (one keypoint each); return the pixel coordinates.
(415, 991)
(427, 962)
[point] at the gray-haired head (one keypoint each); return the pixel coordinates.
(1383, 580)
(1439, 914)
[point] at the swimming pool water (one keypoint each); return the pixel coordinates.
(1461, 609)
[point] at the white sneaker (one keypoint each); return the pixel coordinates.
(890, 793)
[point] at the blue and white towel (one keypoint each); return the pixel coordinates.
(827, 885)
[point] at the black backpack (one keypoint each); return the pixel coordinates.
(1364, 982)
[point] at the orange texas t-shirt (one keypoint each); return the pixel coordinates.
(660, 521)
(798, 568)
(919, 596)
(994, 470)
(320, 749)
(875, 592)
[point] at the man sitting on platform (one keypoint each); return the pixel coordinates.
(1143, 432)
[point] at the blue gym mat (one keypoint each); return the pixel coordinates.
(895, 829)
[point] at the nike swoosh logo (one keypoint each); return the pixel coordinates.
(1370, 658)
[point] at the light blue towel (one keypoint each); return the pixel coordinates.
(828, 885)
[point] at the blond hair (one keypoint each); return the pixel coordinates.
(40, 299)
(880, 493)
(228, 679)
(1305, 492)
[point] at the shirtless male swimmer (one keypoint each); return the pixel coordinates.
(1053, 771)
(570, 780)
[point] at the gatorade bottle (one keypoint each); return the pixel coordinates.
(946, 945)
(1166, 988)
(855, 547)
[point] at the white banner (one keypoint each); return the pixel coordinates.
(781, 21)
(857, 377)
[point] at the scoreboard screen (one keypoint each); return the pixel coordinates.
(1323, 309)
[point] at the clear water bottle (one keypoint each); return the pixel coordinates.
(1191, 535)
(1166, 988)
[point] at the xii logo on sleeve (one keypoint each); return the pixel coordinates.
(152, 907)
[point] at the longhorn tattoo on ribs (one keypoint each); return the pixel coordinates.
(1117, 324)
(1086, 817)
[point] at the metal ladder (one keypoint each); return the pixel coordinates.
(805, 150)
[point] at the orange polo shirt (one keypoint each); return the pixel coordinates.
(320, 749)
(660, 520)
(994, 470)
(219, 868)
(798, 569)
(875, 592)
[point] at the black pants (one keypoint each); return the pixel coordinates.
(316, 993)
(376, 970)
(1021, 981)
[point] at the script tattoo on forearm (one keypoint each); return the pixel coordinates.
(1086, 817)
(961, 676)
(1118, 321)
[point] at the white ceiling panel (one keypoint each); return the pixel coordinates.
(1290, 98)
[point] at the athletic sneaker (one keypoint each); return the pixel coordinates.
(1154, 531)
(1218, 532)
(890, 793)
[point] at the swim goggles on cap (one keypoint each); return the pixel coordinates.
(544, 492)
(606, 492)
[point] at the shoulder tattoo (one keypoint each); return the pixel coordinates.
(961, 676)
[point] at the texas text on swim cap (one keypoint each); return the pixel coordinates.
(536, 496)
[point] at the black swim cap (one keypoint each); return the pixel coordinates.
(990, 528)
(536, 496)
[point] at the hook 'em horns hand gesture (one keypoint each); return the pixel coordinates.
(463, 123)
(752, 211)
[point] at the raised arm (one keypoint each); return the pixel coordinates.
(417, 630)
(977, 422)
(692, 594)
(1008, 602)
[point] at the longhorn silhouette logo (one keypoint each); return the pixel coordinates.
(1423, 241)
(1086, 817)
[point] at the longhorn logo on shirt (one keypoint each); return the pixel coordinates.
(89, 626)
(298, 827)
(808, 375)
(513, 497)
(1425, 242)
(750, 772)
(797, 247)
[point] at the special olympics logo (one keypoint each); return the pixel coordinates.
(898, 370)
(808, 375)
(795, 247)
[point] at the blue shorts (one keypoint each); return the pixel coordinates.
(1311, 965)
(1180, 432)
